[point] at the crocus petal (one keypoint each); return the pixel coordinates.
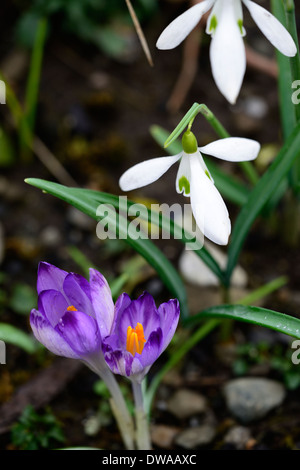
(50, 277)
(102, 302)
(179, 29)
(227, 54)
(146, 172)
(53, 305)
(80, 331)
(183, 176)
(142, 310)
(50, 338)
(169, 313)
(122, 302)
(153, 348)
(232, 149)
(208, 207)
(138, 366)
(274, 31)
(77, 291)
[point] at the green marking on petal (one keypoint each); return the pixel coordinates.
(184, 184)
(240, 25)
(207, 174)
(213, 24)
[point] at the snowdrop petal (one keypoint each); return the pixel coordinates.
(184, 176)
(146, 172)
(233, 149)
(180, 28)
(274, 31)
(208, 207)
(227, 54)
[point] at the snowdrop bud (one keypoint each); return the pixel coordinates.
(189, 142)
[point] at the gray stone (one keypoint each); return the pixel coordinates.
(186, 403)
(238, 436)
(195, 437)
(251, 398)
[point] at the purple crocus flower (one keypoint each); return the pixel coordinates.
(140, 333)
(73, 314)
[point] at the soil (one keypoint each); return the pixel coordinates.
(94, 115)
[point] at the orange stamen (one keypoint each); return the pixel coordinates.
(71, 308)
(135, 339)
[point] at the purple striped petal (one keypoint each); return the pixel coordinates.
(122, 303)
(81, 332)
(50, 277)
(142, 310)
(52, 304)
(49, 337)
(152, 348)
(169, 313)
(102, 302)
(78, 292)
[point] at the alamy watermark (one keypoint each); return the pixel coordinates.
(296, 354)
(2, 352)
(159, 221)
(296, 93)
(2, 92)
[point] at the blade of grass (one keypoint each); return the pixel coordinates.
(32, 88)
(259, 316)
(286, 106)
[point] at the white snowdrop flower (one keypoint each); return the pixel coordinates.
(194, 180)
(227, 50)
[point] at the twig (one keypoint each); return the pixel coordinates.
(139, 32)
(51, 163)
(191, 50)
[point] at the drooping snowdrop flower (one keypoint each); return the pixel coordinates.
(195, 181)
(140, 333)
(227, 51)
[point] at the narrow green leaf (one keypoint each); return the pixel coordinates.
(32, 87)
(260, 195)
(286, 106)
(82, 200)
(12, 335)
(255, 315)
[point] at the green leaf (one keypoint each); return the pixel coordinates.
(32, 86)
(255, 315)
(11, 334)
(83, 201)
(23, 299)
(287, 108)
(260, 195)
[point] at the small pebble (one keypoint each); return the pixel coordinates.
(251, 398)
(195, 437)
(186, 403)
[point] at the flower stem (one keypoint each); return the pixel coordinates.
(142, 426)
(120, 410)
(117, 402)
